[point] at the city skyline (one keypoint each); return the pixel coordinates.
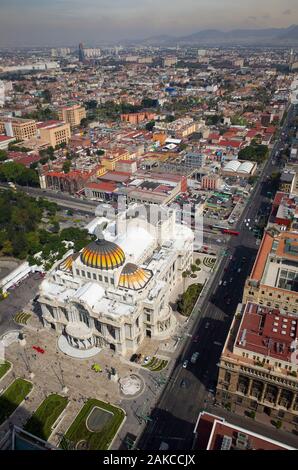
(95, 21)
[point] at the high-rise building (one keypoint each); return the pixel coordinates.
(273, 280)
(81, 52)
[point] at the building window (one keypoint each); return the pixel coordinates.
(94, 276)
(83, 274)
(89, 275)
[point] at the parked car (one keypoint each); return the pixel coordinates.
(185, 364)
(38, 349)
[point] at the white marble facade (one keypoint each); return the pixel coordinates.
(115, 292)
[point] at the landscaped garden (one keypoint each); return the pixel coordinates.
(41, 422)
(156, 364)
(209, 262)
(188, 300)
(12, 397)
(95, 426)
(4, 368)
(22, 318)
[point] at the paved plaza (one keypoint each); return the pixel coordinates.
(56, 372)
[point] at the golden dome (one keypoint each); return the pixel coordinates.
(134, 277)
(103, 254)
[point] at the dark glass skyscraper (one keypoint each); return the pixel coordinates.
(81, 53)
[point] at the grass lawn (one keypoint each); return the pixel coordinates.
(41, 422)
(12, 397)
(4, 368)
(95, 440)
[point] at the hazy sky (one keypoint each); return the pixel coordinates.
(54, 22)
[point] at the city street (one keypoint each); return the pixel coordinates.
(176, 413)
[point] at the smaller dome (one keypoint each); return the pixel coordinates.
(133, 277)
(66, 265)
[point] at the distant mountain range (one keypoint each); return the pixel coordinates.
(244, 37)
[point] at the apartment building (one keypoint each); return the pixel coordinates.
(20, 129)
(273, 281)
(258, 366)
(72, 114)
(136, 118)
(210, 182)
(55, 132)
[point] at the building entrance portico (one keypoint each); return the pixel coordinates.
(79, 335)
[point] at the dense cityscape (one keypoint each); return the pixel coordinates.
(149, 245)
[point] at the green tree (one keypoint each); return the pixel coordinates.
(150, 126)
(47, 96)
(3, 155)
(66, 166)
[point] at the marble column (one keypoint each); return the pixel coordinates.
(263, 392)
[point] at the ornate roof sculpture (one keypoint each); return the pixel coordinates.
(133, 277)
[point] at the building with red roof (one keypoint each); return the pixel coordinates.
(258, 365)
(215, 433)
(5, 141)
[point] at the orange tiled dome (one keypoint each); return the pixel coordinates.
(134, 277)
(103, 254)
(66, 265)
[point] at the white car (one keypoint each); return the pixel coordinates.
(185, 364)
(146, 360)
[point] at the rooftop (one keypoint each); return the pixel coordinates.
(215, 433)
(267, 331)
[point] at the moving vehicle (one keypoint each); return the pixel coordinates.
(194, 357)
(185, 364)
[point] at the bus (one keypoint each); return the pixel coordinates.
(230, 232)
(225, 230)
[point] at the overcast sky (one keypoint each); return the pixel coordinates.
(58, 22)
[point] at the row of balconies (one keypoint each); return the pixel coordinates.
(276, 378)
